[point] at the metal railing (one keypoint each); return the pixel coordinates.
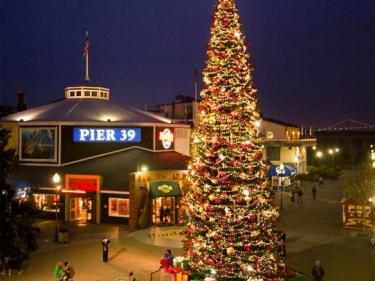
(152, 273)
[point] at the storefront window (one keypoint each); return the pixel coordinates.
(47, 202)
(118, 207)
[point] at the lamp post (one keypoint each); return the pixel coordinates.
(280, 173)
(56, 179)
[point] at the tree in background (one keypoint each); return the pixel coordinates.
(17, 235)
(230, 232)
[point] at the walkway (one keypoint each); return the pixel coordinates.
(313, 231)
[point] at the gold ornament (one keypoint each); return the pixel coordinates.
(230, 251)
(212, 197)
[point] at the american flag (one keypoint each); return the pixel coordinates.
(86, 46)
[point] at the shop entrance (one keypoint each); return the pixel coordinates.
(164, 210)
(81, 209)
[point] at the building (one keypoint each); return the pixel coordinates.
(283, 142)
(112, 163)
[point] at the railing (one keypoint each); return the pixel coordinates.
(152, 273)
(307, 276)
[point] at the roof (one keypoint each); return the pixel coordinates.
(114, 168)
(279, 122)
(85, 110)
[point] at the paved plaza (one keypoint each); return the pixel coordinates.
(314, 231)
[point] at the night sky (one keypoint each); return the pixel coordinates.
(314, 60)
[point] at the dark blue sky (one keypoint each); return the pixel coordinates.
(314, 60)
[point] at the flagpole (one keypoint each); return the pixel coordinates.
(86, 47)
(87, 78)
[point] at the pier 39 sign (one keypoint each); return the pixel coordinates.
(124, 135)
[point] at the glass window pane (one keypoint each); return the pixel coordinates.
(118, 207)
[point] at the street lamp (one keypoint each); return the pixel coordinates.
(332, 153)
(281, 171)
(144, 168)
(56, 179)
(319, 154)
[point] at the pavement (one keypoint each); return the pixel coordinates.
(313, 229)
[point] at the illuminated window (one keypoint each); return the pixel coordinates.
(94, 94)
(78, 93)
(72, 94)
(269, 135)
(47, 202)
(87, 93)
(118, 207)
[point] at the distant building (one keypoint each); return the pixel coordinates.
(283, 142)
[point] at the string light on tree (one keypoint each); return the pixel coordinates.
(230, 216)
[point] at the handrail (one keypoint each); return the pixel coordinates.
(304, 274)
(152, 273)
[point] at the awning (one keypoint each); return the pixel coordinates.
(287, 172)
(21, 188)
(164, 189)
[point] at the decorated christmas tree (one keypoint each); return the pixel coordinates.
(230, 232)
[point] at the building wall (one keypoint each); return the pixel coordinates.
(13, 128)
(182, 144)
(286, 138)
(139, 188)
(271, 130)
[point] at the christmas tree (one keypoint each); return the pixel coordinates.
(230, 232)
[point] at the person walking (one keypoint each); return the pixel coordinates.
(300, 196)
(161, 214)
(105, 245)
(313, 190)
(317, 271)
(292, 198)
(283, 244)
(321, 181)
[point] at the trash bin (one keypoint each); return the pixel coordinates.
(63, 236)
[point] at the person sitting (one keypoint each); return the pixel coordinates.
(69, 271)
(170, 257)
(59, 272)
(165, 262)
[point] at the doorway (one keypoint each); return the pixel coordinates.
(81, 209)
(164, 210)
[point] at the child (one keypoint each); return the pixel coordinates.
(59, 272)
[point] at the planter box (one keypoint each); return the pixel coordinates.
(63, 237)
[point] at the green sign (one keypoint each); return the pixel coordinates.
(164, 189)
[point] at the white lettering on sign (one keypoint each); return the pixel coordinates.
(92, 135)
(100, 135)
(107, 135)
(110, 135)
(83, 134)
